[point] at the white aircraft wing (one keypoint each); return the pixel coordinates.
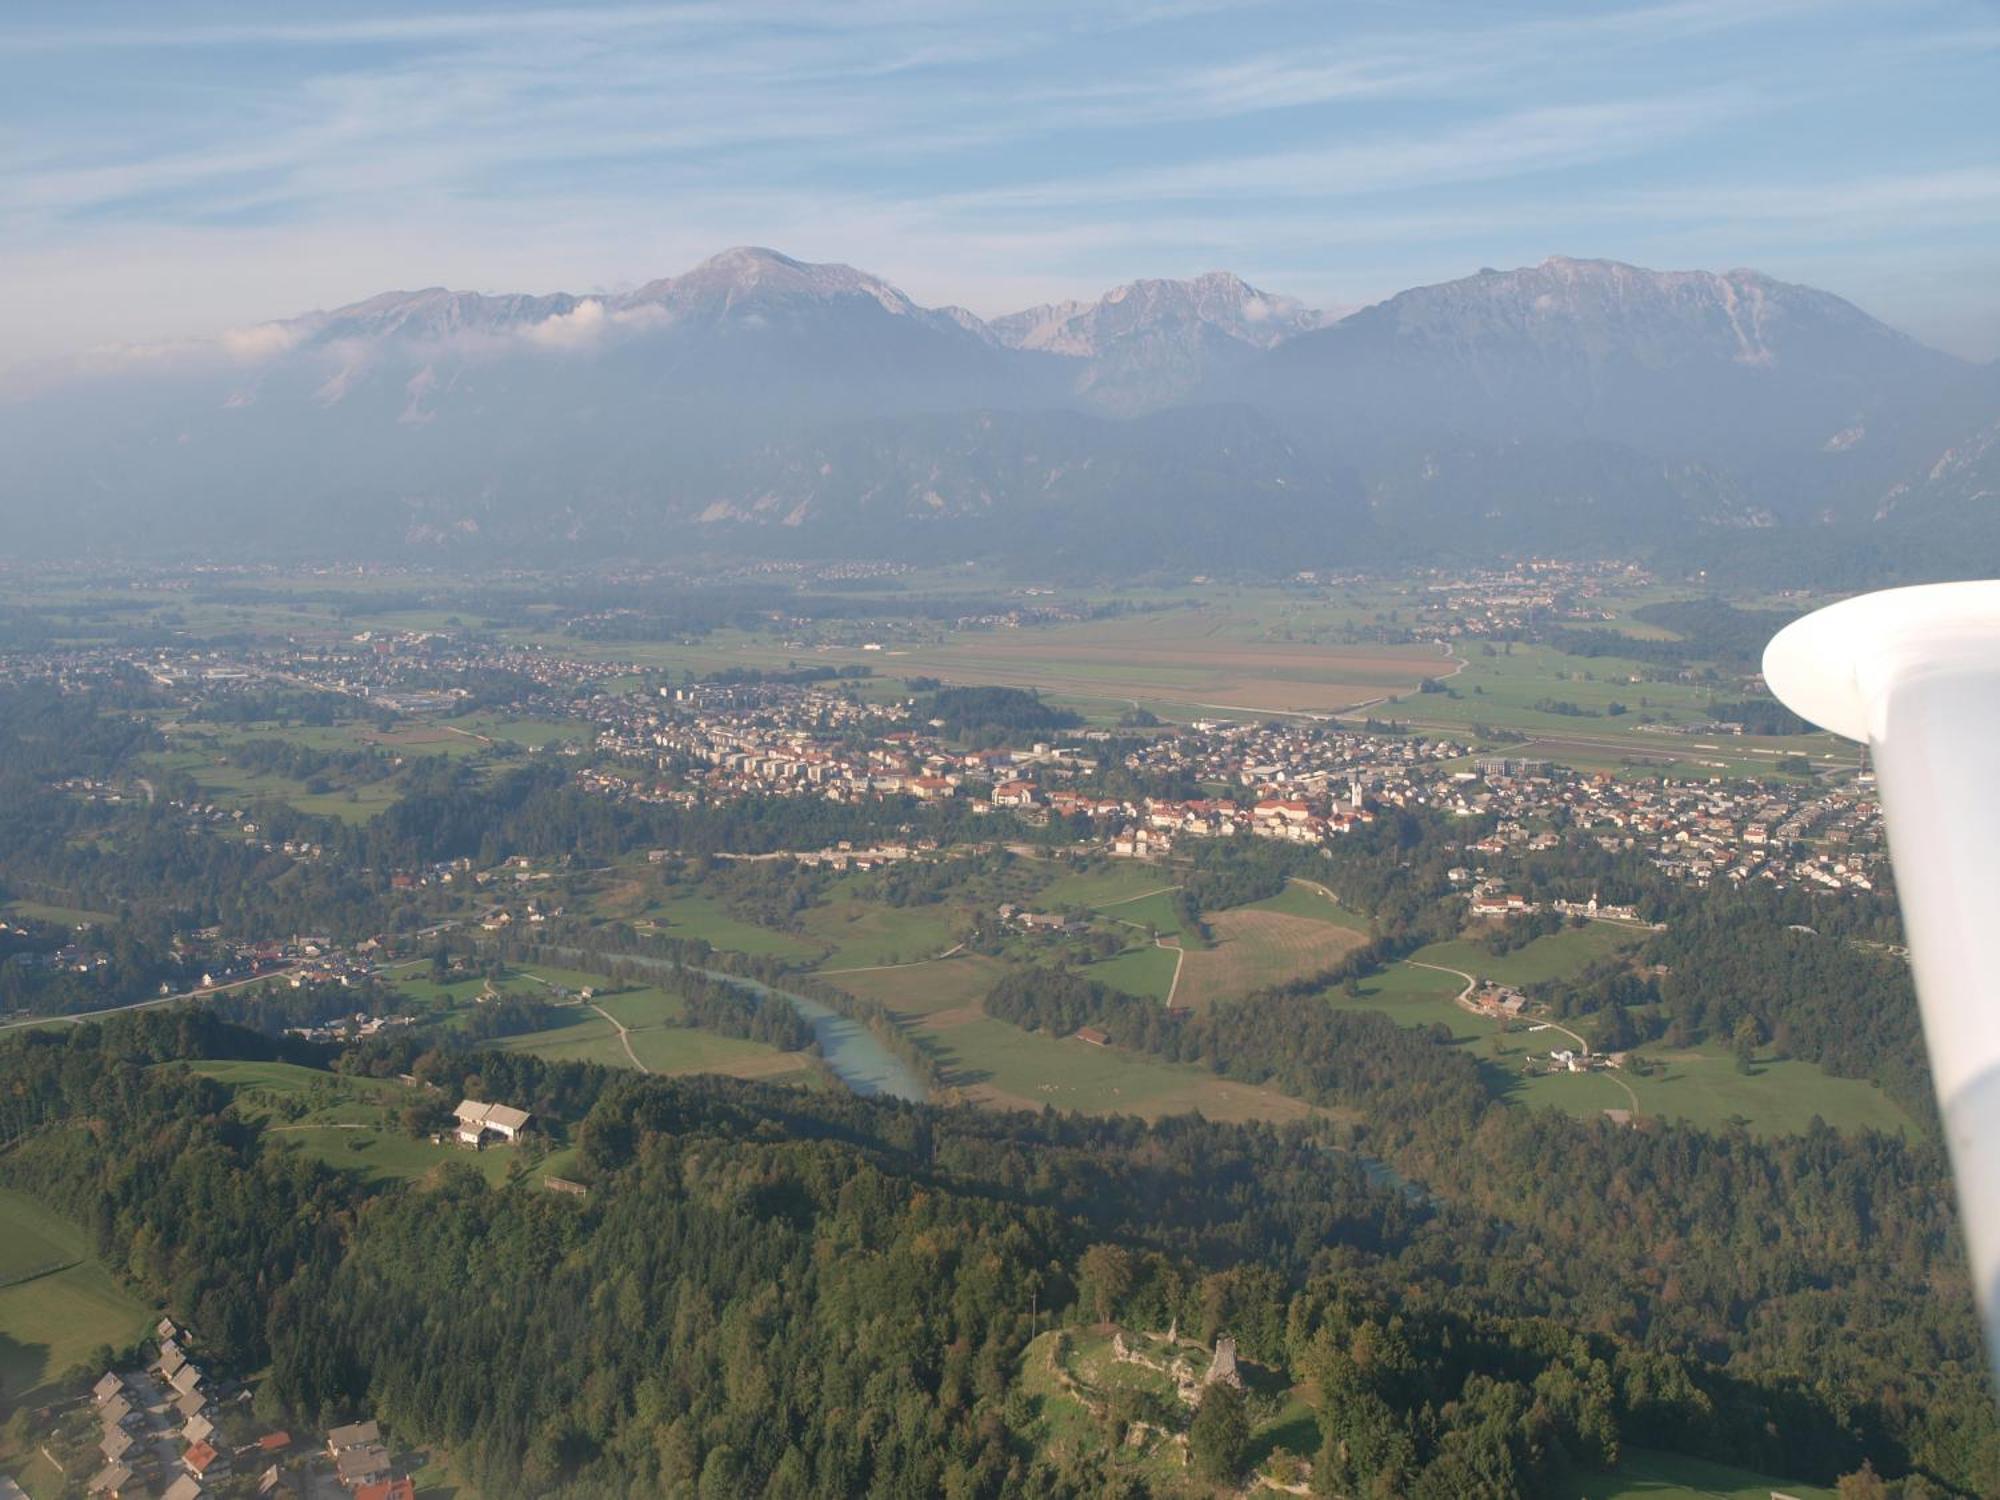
(1915, 674)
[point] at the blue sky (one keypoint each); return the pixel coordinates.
(173, 169)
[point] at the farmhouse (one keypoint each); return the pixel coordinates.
(476, 1121)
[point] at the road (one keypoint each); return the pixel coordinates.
(1179, 953)
(624, 1036)
(1180, 957)
(157, 1000)
(915, 963)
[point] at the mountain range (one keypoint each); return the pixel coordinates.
(763, 405)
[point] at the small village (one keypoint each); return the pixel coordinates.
(173, 1426)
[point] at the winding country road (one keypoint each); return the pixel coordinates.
(1175, 948)
(1464, 999)
(624, 1036)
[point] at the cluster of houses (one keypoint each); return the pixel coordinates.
(1520, 599)
(1306, 783)
(163, 1440)
(161, 1436)
(352, 1028)
(711, 742)
(1698, 832)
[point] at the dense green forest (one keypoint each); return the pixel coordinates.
(811, 1294)
(814, 1294)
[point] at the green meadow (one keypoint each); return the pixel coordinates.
(58, 1302)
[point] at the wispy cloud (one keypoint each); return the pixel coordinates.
(1507, 145)
(979, 153)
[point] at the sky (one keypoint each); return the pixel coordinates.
(170, 170)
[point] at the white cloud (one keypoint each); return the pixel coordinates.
(579, 328)
(971, 154)
(260, 341)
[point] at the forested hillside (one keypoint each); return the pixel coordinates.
(813, 1294)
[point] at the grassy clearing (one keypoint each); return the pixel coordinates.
(275, 1077)
(861, 933)
(52, 1322)
(37, 1239)
(1257, 947)
(352, 1124)
(223, 781)
(996, 1064)
(1155, 910)
(682, 1049)
(656, 1039)
(696, 915)
(581, 1036)
(533, 734)
(382, 1156)
(926, 989)
(434, 1480)
(1560, 955)
(287, 1096)
(62, 916)
(1644, 1474)
(1146, 971)
(1707, 1090)
(1305, 898)
(1778, 1098)
(1102, 887)
(1502, 691)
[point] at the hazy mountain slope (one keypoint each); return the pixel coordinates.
(1148, 344)
(759, 403)
(1803, 395)
(1961, 480)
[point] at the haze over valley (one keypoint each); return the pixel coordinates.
(759, 404)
